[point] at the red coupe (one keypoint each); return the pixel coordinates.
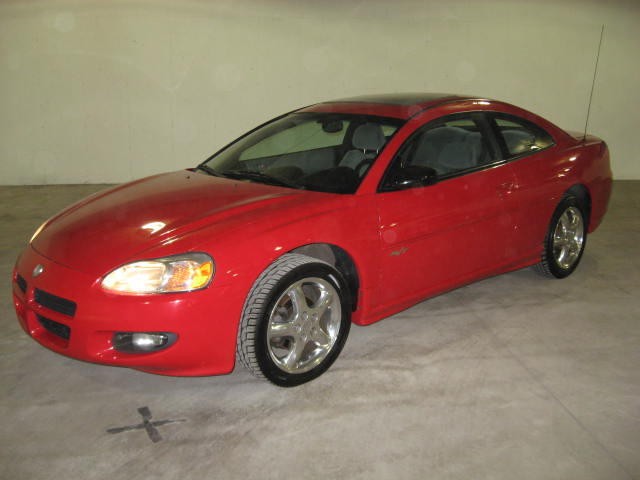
(345, 211)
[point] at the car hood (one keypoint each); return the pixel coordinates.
(112, 227)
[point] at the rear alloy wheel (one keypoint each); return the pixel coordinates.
(565, 240)
(295, 321)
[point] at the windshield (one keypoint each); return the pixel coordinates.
(325, 152)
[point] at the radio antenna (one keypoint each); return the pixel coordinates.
(593, 83)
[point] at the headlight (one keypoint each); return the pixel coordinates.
(180, 273)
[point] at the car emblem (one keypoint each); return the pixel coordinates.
(38, 270)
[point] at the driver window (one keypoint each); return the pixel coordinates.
(445, 147)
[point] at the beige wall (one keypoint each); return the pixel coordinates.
(107, 91)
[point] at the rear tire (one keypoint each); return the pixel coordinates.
(295, 321)
(565, 240)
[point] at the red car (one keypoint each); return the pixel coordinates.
(346, 211)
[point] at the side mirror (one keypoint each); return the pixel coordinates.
(428, 176)
(411, 177)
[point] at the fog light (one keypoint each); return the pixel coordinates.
(142, 341)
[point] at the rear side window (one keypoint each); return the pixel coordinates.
(520, 137)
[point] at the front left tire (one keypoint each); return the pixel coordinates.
(295, 321)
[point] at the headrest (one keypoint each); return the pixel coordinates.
(368, 136)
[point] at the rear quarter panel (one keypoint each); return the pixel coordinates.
(597, 176)
(543, 178)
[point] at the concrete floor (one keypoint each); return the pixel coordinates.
(515, 377)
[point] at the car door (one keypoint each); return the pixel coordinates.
(436, 236)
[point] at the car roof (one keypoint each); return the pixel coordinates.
(397, 105)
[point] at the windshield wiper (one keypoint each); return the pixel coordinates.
(208, 170)
(258, 176)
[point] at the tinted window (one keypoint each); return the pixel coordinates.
(520, 136)
(445, 147)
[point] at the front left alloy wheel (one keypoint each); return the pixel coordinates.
(295, 321)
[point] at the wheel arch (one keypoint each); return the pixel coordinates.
(581, 192)
(338, 258)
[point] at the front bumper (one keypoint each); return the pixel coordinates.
(67, 311)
